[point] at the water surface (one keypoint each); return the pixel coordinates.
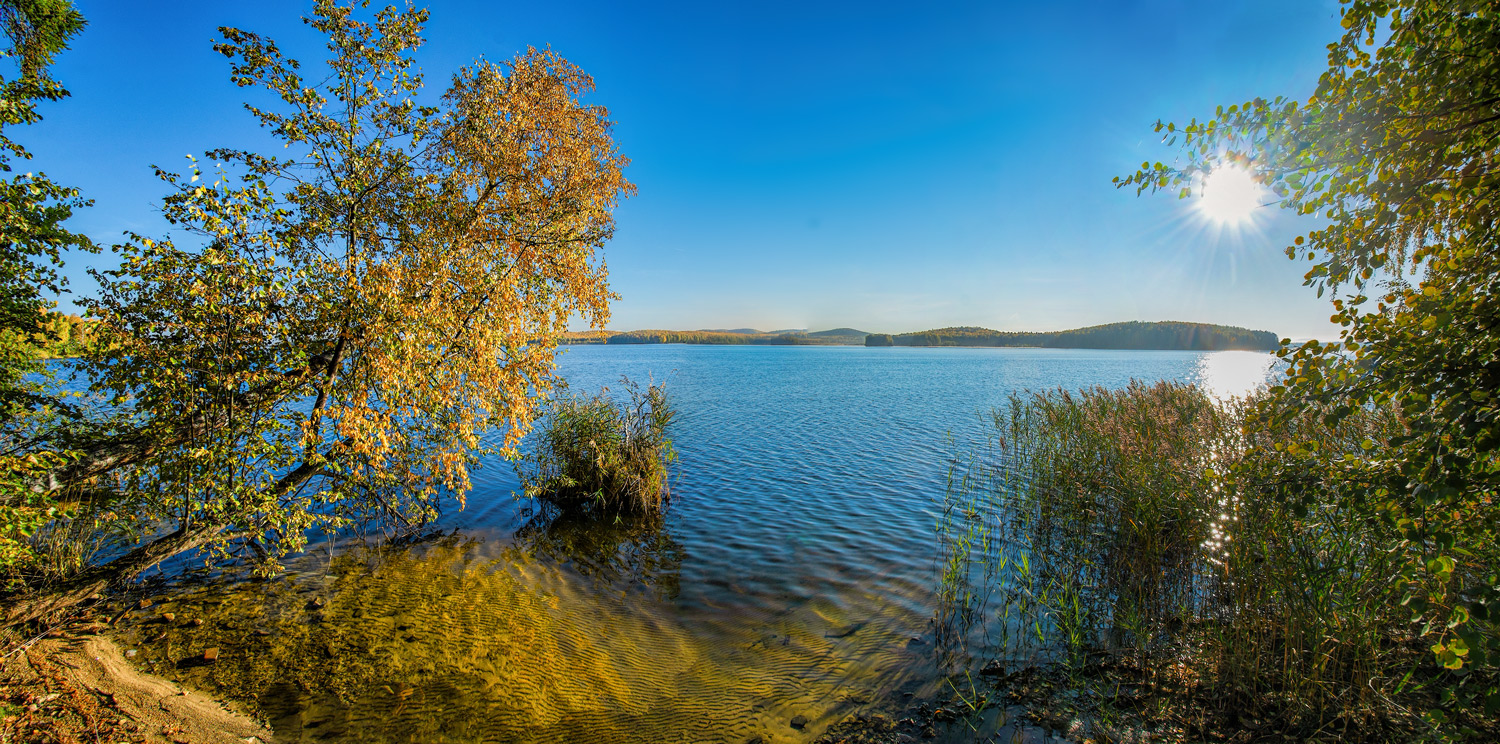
(793, 574)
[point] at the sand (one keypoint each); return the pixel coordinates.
(83, 684)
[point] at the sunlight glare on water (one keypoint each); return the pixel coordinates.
(1227, 374)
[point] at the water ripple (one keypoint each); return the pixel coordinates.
(794, 564)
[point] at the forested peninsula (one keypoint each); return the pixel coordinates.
(1166, 335)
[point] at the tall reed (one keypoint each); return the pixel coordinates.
(1307, 614)
(601, 452)
(1157, 524)
(1098, 502)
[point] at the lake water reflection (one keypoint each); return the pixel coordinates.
(793, 574)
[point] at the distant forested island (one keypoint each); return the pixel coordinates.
(1165, 335)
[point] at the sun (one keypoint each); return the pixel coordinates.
(1230, 195)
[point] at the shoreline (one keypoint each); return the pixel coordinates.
(77, 683)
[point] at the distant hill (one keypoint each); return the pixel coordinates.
(748, 331)
(1128, 335)
(847, 336)
(1165, 335)
(838, 332)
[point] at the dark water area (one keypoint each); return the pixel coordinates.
(791, 581)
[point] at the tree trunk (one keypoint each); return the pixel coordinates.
(97, 459)
(101, 457)
(96, 579)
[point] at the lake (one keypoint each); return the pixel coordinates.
(791, 580)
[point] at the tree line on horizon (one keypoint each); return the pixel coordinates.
(693, 337)
(57, 336)
(1165, 335)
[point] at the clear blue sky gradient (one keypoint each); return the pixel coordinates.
(886, 166)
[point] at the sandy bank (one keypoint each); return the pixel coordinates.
(60, 688)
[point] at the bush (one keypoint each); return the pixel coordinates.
(599, 452)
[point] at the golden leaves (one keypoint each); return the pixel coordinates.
(402, 297)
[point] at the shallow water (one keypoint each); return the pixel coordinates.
(793, 574)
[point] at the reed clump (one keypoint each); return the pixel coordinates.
(602, 452)
(1159, 529)
(1092, 507)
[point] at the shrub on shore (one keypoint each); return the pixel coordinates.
(602, 452)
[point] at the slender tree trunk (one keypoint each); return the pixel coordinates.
(106, 455)
(96, 579)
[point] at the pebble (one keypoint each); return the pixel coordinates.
(130, 653)
(168, 617)
(143, 604)
(799, 722)
(211, 654)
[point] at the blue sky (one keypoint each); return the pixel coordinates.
(891, 167)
